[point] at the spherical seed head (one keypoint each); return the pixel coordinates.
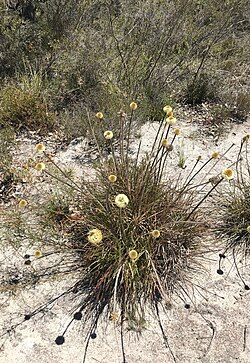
(248, 229)
(220, 272)
(93, 335)
(133, 254)
(22, 203)
(155, 233)
(60, 340)
(227, 174)
(170, 147)
(133, 105)
(171, 120)
(40, 166)
(177, 131)
(164, 142)
(168, 110)
(38, 253)
(40, 147)
(27, 317)
(246, 137)
(112, 178)
(99, 115)
(108, 135)
(78, 316)
(95, 236)
(27, 262)
(215, 155)
(121, 200)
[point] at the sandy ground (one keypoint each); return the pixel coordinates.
(216, 328)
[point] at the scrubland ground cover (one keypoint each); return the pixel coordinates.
(128, 234)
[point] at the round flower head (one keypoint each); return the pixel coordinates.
(38, 253)
(95, 236)
(112, 178)
(228, 174)
(121, 200)
(108, 135)
(246, 137)
(177, 131)
(171, 120)
(215, 155)
(40, 166)
(156, 233)
(133, 254)
(99, 115)
(168, 110)
(164, 142)
(40, 147)
(248, 229)
(133, 106)
(22, 203)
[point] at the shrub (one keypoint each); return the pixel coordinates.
(22, 109)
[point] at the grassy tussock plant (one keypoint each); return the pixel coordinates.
(234, 226)
(135, 237)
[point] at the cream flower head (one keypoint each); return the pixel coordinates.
(112, 178)
(177, 131)
(248, 229)
(38, 253)
(133, 106)
(228, 174)
(171, 120)
(155, 233)
(168, 110)
(40, 166)
(99, 115)
(22, 203)
(40, 147)
(164, 142)
(133, 254)
(108, 134)
(215, 155)
(95, 236)
(121, 200)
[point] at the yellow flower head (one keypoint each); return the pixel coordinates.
(156, 233)
(133, 255)
(246, 137)
(133, 106)
(38, 253)
(95, 236)
(22, 203)
(215, 155)
(99, 115)
(112, 178)
(164, 142)
(227, 174)
(114, 316)
(248, 229)
(177, 131)
(40, 166)
(40, 147)
(108, 135)
(171, 120)
(168, 110)
(121, 200)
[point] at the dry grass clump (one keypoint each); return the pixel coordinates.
(234, 226)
